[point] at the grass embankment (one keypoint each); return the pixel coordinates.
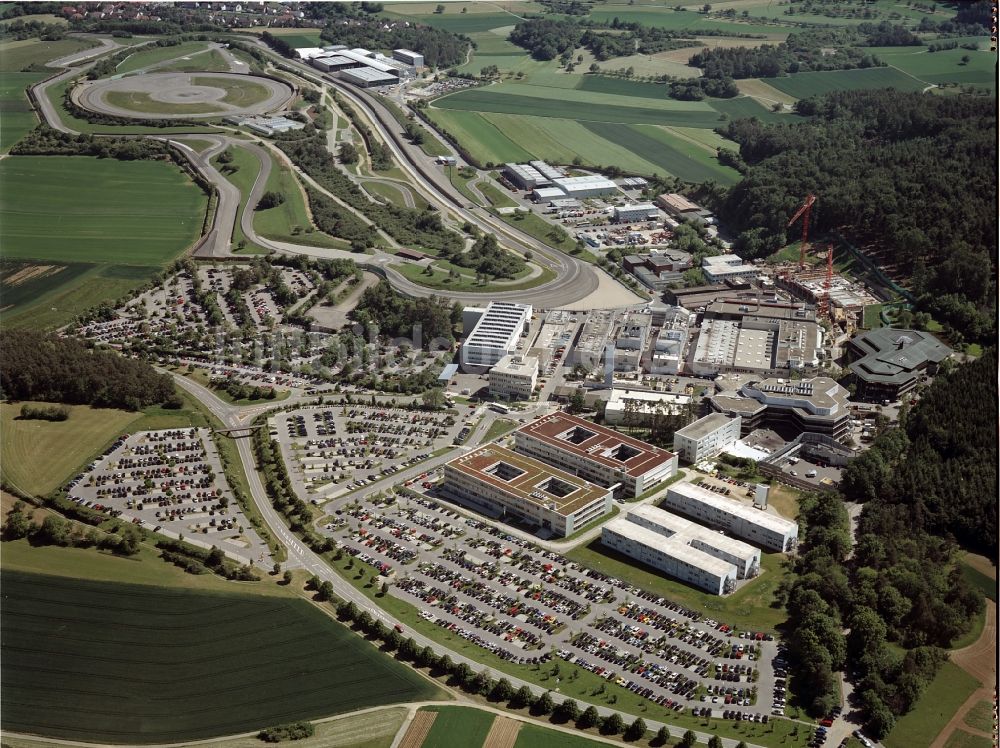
(536, 226)
(195, 664)
(68, 247)
(936, 706)
(498, 428)
(496, 196)
(441, 278)
(571, 682)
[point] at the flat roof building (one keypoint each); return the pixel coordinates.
(514, 377)
(413, 59)
(591, 185)
(887, 363)
(524, 176)
(638, 407)
(679, 206)
(547, 171)
(334, 63)
(706, 437)
(790, 406)
(720, 268)
(596, 453)
(367, 77)
(753, 525)
(514, 485)
(495, 334)
(547, 194)
(636, 212)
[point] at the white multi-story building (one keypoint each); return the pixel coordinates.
(706, 437)
(639, 407)
(495, 334)
(753, 525)
(504, 483)
(514, 377)
(601, 455)
(636, 212)
(726, 267)
(677, 559)
(742, 555)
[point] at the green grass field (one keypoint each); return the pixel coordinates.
(750, 607)
(17, 55)
(667, 18)
(145, 213)
(88, 245)
(302, 38)
(457, 727)
(744, 106)
(486, 142)
(963, 739)
(40, 456)
(497, 197)
(240, 93)
(978, 580)
(622, 87)
(119, 663)
(146, 56)
(535, 736)
(441, 279)
(945, 694)
(980, 716)
(142, 103)
(280, 222)
(16, 115)
(211, 62)
(946, 66)
(801, 85)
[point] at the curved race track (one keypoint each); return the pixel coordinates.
(161, 92)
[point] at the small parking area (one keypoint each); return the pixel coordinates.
(333, 449)
(521, 602)
(172, 482)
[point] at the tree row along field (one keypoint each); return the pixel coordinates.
(68, 247)
(196, 664)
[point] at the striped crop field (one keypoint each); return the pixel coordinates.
(801, 85)
(121, 663)
(479, 135)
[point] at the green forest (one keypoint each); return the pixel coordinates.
(893, 173)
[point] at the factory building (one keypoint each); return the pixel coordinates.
(514, 377)
(888, 363)
(676, 559)
(367, 77)
(745, 557)
(721, 268)
(636, 212)
(547, 194)
(639, 407)
(601, 455)
(547, 171)
(681, 208)
(706, 437)
(515, 486)
(789, 406)
(525, 177)
(761, 528)
(334, 64)
(414, 59)
(495, 334)
(587, 186)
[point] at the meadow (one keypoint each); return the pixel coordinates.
(16, 115)
(17, 55)
(681, 20)
(88, 246)
(117, 663)
(147, 56)
(935, 707)
(457, 727)
(945, 66)
(802, 85)
(535, 736)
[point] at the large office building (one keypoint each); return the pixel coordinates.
(888, 363)
(682, 549)
(789, 406)
(706, 437)
(596, 453)
(495, 334)
(721, 268)
(514, 377)
(753, 525)
(516, 486)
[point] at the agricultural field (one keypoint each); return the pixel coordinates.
(15, 56)
(194, 664)
(299, 38)
(211, 61)
(945, 66)
(939, 701)
(16, 115)
(68, 247)
(147, 56)
(457, 727)
(535, 736)
(481, 137)
(801, 85)
(681, 20)
(963, 739)
(39, 456)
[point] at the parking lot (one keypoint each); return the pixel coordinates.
(332, 449)
(172, 482)
(521, 602)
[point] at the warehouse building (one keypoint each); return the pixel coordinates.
(676, 559)
(495, 334)
(720, 268)
(547, 194)
(745, 557)
(546, 170)
(636, 212)
(414, 59)
(367, 77)
(514, 377)
(334, 64)
(519, 487)
(761, 528)
(601, 455)
(524, 176)
(587, 186)
(680, 207)
(888, 363)
(789, 406)
(706, 437)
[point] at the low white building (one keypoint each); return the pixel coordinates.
(514, 377)
(753, 525)
(640, 407)
(706, 437)
(592, 185)
(727, 267)
(636, 212)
